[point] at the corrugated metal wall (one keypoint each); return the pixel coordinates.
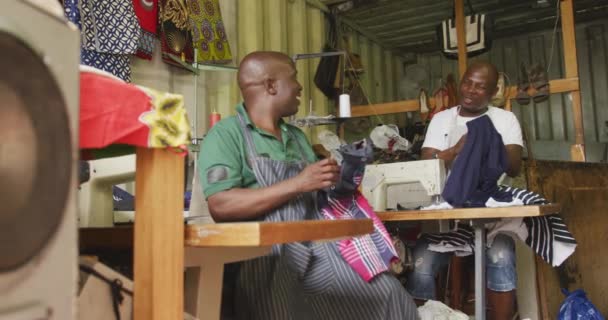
(290, 26)
(549, 124)
(382, 72)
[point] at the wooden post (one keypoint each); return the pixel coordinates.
(159, 235)
(577, 151)
(461, 33)
(456, 271)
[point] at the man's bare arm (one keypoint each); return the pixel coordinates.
(240, 204)
(514, 157)
(447, 155)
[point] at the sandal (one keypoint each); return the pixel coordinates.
(498, 100)
(424, 107)
(523, 84)
(539, 81)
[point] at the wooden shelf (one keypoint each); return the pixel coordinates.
(470, 213)
(555, 86)
(386, 108)
(269, 233)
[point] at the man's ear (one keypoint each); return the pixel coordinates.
(271, 86)
(493, 93)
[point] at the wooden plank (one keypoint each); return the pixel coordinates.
(569, 39)
(555, 86)
(578, 149)
(542, 290)
(571, 65)
(462, 36)
(388, 108)
(582, 189)
(385, 108)
(159, 234)
(269, 233)
(470, 213)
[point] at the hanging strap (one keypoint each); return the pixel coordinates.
(251, 152)
(471, 13)
(116, 289)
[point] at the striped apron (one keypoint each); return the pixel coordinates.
(309, 280)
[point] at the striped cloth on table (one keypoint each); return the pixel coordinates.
(548, 235)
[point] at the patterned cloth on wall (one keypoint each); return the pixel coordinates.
(175, 36)
(147, 13)
(110, 32)
(208, 32)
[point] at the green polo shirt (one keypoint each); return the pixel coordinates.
(223, 163)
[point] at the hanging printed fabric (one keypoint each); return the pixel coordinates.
(147, 13)
(175, 35)
(110, 32)
(208, 32)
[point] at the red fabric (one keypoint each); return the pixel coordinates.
(147, 14)
(110, 111)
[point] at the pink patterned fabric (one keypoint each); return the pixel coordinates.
(370, 254)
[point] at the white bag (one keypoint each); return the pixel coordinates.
(100, 287)
(478, 35)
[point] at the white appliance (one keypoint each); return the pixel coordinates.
(410, 184)
(96, 205)
(38, 154)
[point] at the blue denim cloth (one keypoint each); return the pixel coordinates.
(480, 163)
(500, 268)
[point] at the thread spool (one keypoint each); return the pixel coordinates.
(214, 118)
(344, 106)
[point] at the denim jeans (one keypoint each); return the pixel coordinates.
(500, 267)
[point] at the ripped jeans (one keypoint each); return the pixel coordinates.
(500, 268)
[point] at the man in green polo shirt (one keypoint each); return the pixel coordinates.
(254, 166)
(271, 92)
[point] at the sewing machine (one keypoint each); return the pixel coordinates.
(97, 198)
(410, 184)
(96, 203)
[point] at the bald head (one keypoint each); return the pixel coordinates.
(486, 68)
(260, 66)
(269, 84)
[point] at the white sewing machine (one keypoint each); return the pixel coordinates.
(410, 184)
(95, 196)
(96, 203)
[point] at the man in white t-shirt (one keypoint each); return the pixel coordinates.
(445, 138)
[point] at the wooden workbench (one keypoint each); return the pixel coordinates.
(477, 217)
(207, 247)
(210, 246)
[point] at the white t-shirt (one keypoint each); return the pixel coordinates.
(447, 127)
